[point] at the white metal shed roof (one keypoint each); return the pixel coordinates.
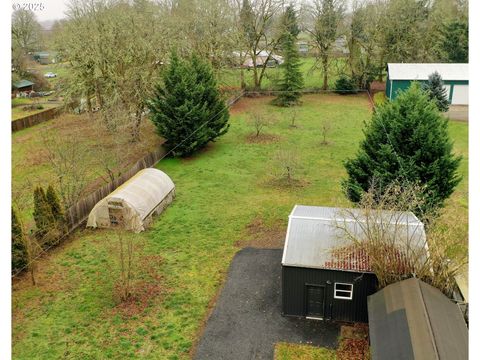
(421, 71)
(313, 234)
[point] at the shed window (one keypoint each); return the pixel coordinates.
(343, 291)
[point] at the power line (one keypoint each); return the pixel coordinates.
(213, 117)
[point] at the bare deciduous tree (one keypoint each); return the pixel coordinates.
(126, 252)
(326, 128)
(327, 15)
(67, 158)
(259, 121)
(293, 117)
(396, 250)
(257, 24)
(286, 165)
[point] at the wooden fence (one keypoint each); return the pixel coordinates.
(78, 213)
(35, 119)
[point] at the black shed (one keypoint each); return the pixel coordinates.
(323, 275)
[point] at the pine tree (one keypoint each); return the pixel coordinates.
(292, 79)
(344, 85)
(436, 91)
(187, 108)
(19, 251)
(42, 213)
(54, 204)
(453, 45)
(407, 141)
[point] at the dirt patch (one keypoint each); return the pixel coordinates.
(246, 103)
(284, 183)
(260, 235)
(208, 148)
(262, 138)
(144, 289)
(354, 343)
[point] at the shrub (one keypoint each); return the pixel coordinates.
(187, 109)
(19, 251)
(345, 85)
(436, 91)
(379, 98)
(406, 140)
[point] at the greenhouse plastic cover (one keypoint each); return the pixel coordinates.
(140, 195)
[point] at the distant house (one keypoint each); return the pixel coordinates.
(262, 57)
(455, 78)
(25, 86)
(340, 46)
(324, 276)
(303, 48)
(413, 320)
(43, 57)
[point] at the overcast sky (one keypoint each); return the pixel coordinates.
(53, 9)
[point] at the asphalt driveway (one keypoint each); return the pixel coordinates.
(247, 322)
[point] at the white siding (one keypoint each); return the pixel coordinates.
(460, 95)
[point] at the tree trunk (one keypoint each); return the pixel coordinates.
(380, 72)
(256, 82)
(98, 95)
(89, 104)
(325, 72)
(242, 79)
(136, 126)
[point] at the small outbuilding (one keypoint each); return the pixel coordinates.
(413, 320)
(133, 204)
(454, 76)
(25, 86)
(323, 275)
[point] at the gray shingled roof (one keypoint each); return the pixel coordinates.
(413, 320)
(313, 234)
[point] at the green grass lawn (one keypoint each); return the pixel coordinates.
(18, 111)
(221, 191)
(30, 162)
(312, 75)
(284, 351)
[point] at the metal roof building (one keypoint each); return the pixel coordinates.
(133, 204)
(455, 78)
(413, 320)
(323, 274)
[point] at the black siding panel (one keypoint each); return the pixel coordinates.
(293, 292)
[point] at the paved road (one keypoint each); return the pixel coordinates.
(247, 322)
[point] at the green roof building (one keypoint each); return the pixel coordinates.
(454, 76)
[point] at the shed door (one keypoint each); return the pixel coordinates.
(460, 95)
(315, 301)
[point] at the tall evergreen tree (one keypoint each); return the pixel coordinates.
(187, 108)
(292, 78)
(55, 207)
(42, 213)
(19, 251)
(436, 91)
(407, 140)
(454, 41)
(289, 22)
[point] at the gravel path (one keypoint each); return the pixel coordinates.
(247, 322)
